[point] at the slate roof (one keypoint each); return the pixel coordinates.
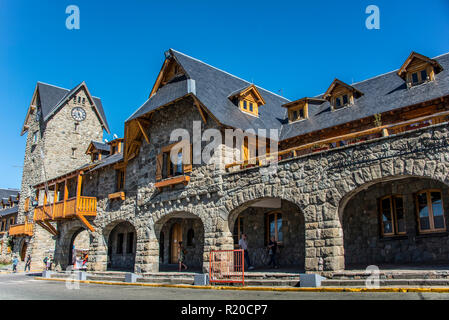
(382, 93)
(9, 211)
(52, 96)
(101, 146)
(6, 193)
(108, 161)
(213, 87)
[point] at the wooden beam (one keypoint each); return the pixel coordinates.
(85, 222)
(143, 131)
(78, 192)
(200, 110)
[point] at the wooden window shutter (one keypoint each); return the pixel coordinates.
(159, 160)
(27, 204)
(188, 167)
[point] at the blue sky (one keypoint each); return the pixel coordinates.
(293, 47)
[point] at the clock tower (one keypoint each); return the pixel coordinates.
(60, 124)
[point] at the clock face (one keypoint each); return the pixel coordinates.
(79, 114)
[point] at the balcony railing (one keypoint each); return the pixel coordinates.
(25, 229)
(66, 209)
(341, 141)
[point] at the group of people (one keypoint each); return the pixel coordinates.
(15, 262)
(272, 250)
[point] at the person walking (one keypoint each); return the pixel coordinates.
(272, 252)
(243, 243)
(15, 262)
(49, 263)
(28, 263)
(181, 256)
(45, 263)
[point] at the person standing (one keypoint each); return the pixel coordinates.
(15, 262)
(243, 243)
(45, 263)
(181, 256)
(28, 263)
(85, 259)
(272, 252)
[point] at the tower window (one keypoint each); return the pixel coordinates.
(79, 99)
(73, 152)
(84, 100)
(76, 126)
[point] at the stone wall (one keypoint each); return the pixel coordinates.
(363, 241)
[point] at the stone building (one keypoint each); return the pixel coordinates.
(352, 177)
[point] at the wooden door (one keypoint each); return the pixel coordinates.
(176, 236)
(23, 252)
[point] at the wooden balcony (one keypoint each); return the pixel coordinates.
(19, 230)
(71, 208)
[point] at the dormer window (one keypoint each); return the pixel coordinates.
(418, 69)
(299, 110)
(248, 99)
(340, 94)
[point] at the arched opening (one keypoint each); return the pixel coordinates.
(396, 222)
(78, 248)
(263, 219)
(122, 243)
(179, 227)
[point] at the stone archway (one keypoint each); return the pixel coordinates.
(121, 246)
(175, 227)
(79, 245)
(263, 218)
(381, 223)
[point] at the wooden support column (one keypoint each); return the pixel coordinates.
(78, 191)
(66, 196)
(55, 192)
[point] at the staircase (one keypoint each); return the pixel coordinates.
(390, 278)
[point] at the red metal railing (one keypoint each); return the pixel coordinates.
(227, 266)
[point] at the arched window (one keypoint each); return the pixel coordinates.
(190, 237)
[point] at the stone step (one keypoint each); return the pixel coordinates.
(387, 283)
(397, 275)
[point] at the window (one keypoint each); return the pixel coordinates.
(76, 126)
(392, 215)
(95, 156)
(74, 99)
(238, 230)
(120, 179)
(274, 227)
(249, 107)
(84, 100)
(73, 152)
(165, 168)
(418, 77)
(296, 114)
(35, 137)
(79, 99)
(342, 101)
(11, 221)
(429, 205)
(130, 243)
(120, 243)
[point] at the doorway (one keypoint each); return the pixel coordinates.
(176, 236)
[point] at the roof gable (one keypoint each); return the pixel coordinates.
(51, 98)
(413, 58)
(340, 84)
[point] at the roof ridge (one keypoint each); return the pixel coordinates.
(229, 74)
(52, 85)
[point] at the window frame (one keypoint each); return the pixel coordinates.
(246, 104)
(298, 110)
(393, 213)
(267, 231)
(164, 172)
(432, 228)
